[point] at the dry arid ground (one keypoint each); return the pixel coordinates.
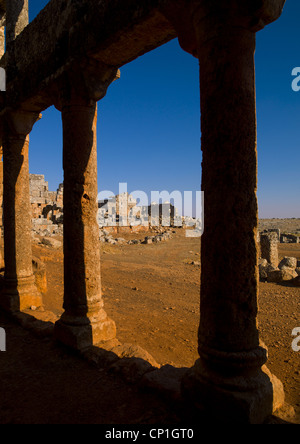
(285, 225)
(152, 292)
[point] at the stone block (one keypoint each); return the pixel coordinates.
(233, 399)
(285, 274)
(166, 381)
(50, 242)
(80, 337)
(290, 262)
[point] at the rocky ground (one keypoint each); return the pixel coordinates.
(152, 293)
(285, 225)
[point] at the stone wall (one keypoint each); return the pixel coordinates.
(46, 206)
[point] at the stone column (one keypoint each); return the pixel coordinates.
(2, 88)
(1, 205)
(269, 247)
(2, 49)
(84, 321)
(229, 380)
(2, 32)
(20, 290)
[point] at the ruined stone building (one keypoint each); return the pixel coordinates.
(45, 204)
(123, 211)
(67, 57)
(118, 211)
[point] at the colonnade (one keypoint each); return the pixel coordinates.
(230, 377)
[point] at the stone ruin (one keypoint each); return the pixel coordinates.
(122, 211)
(46, 206)
(284, 237)
(270, 269)
(269, 248)
(288, 238)
(118, 214)
(67, 57)
(162, 235)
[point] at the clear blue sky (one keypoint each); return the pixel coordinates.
(149, 122)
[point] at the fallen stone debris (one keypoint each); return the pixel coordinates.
(107, 237)
(270, 269)
(287, 270)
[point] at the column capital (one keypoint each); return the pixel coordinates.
(20, 122)
(198, 21)
(84, 83)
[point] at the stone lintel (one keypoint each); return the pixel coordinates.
(58, 37)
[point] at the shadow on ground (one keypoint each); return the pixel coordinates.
(45, 383)
(42, 382)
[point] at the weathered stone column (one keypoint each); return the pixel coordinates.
(1, 202)
(229, 380)
(84, 321)
(269, 248)
(2, 31)
(20, 290)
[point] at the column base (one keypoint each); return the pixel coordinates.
(20, 294)
(244, 399)
(83, 333)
